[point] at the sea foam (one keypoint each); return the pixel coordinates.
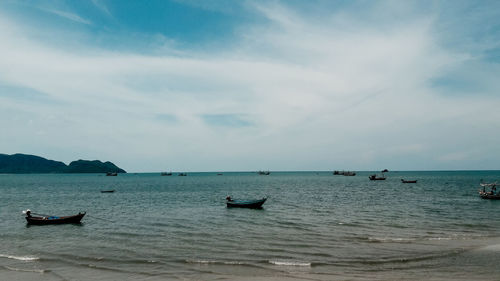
(290, 263)
(25, 270)
(20, 258)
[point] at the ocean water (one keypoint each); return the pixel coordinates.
(314, 226)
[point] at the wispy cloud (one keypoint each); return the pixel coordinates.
(329, 91)
(226, 120)
(101, 6)
(67, 15)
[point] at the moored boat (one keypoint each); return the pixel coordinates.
(487, 195)
(111, 174)
(344, 173)
(42, 219)
(492, 194)
(375, 178)
(166, 173)
(408, 181)
(251, 204)
(108, 191)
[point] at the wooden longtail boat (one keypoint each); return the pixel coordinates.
(344, 173)
(492, 194)
(375, 178)
(488, 195)
(406, 181)
(54, 219)
(107, 191)
(251, 204)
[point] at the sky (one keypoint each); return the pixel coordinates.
(222, 85)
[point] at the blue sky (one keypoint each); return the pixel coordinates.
(253, 85)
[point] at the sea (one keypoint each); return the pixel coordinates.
(314, 226)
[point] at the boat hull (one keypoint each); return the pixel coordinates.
(250, 204)
(405, 181)
(489, 196)
(59, 220)
(375, 178)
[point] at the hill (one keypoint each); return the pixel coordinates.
(26, 164)
(96, 166)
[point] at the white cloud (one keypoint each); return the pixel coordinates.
(67, 15)
(316, 95)
(101, 6)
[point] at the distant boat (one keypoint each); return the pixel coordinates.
(487, 195)
(182, 174)
(264, 173)
(251, 204)
(42, 219)
(219, 174)
(107, 191)
(492, 194)
(408, 181)
(166, 173)
(110, 174)
(385, 171)
(344, 173)
(375, 178)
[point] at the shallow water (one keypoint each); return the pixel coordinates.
(314, 226)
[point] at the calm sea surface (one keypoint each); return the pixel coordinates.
(314, 226)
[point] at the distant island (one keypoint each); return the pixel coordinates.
(32, 164)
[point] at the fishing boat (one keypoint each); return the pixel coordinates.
(344, 173)
(182, 174)
(251, 204)
(375, 178)
(43, 219)
(492, 194)
(166, 173)
(110, 174)
(487, 195)
(408, 181)
(108, 191)
(264, 173)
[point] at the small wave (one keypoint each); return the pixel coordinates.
(439, 238)
(409, 240)
(290, 263)
(26, 270)
(217, 262)
(493, 248)
(403, 260)
(25, 258)
(390, 240)
(75, 259)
